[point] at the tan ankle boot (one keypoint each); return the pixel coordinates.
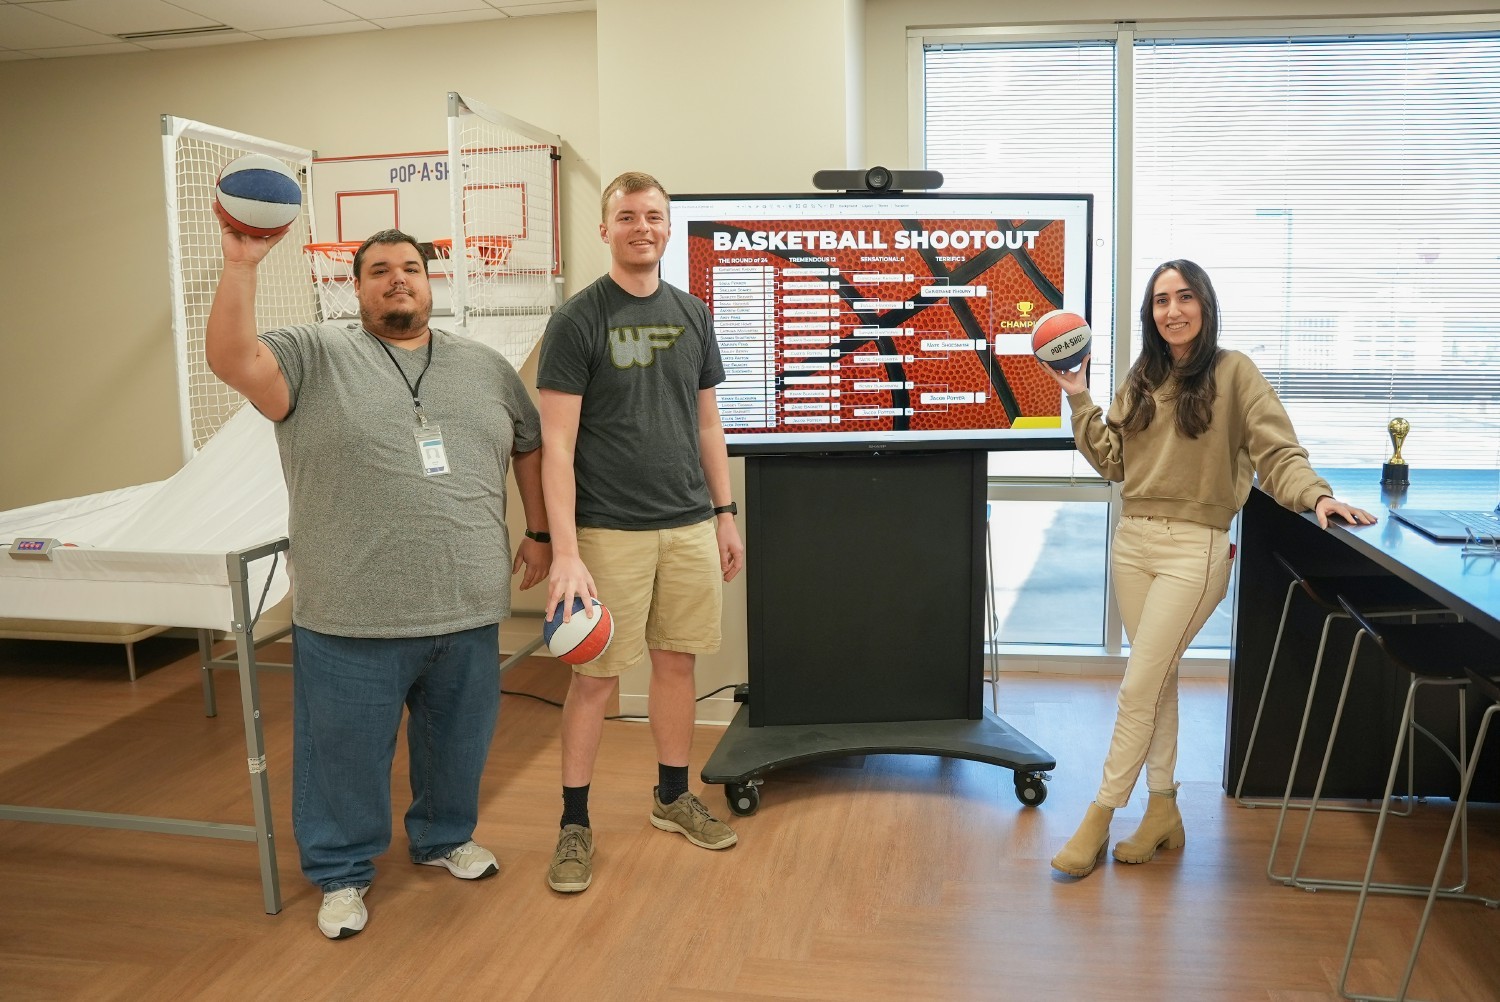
(1161, 828)
(1084, 850)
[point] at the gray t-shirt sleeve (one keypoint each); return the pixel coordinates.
(527, 420)
(291, 345)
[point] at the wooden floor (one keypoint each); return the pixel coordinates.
(882, 878)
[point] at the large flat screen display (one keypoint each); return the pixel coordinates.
(883, 321)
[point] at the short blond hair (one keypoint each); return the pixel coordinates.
(629, 183)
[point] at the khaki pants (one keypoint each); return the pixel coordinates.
(1169, 576)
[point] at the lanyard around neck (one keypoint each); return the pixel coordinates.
(414, 389)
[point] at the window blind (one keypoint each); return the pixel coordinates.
(1032, 118)
(1344, 195)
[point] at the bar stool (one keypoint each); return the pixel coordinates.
(1383, 596)
(1479, 655)
(1432, 654)
(1379, 595)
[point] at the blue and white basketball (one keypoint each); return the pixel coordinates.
(1061, 339)
(581, 639)
(260, 194)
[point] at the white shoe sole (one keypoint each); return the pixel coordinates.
(488, 871)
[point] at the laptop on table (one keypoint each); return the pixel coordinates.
(1451, 526)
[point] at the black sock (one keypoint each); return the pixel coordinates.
(671, 782)
(575, 806)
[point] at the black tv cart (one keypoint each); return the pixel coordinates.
(866, 579)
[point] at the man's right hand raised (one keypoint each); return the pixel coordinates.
(230, 345)
(243, 248)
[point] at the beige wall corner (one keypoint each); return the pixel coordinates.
(714, 97)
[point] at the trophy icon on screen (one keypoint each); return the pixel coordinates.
(1396, 472)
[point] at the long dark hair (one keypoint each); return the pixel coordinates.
(1196, 388)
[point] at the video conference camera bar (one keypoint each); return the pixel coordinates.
(877, 179)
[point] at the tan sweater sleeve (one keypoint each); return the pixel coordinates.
(1279, 459)
(1098, 439)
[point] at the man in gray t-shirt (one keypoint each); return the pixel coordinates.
(636, 476)
(395, 439)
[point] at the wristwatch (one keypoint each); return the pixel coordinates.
(727, 509)
(540, 537)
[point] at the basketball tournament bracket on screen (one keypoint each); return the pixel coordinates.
(882, 325)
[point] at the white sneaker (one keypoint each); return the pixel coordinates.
(343, 913)
(468, 862)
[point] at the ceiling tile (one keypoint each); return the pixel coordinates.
(457, 17)
(87, 50)
(119, 17)
(377, 9)
(308, 30)
(253, 15)
(83, 27)
(544, 7)
(24, 28)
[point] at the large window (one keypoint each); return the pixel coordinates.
(1341, 188)
(1345, 196)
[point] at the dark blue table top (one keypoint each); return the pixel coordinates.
(1467, 583)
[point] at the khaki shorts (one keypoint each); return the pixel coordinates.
(663, 587)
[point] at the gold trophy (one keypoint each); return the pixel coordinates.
(1395, 472)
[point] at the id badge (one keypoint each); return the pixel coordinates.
(430, 448)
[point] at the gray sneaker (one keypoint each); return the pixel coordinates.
(573, 863)
(687, 815)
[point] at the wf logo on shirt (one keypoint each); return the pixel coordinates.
(638, 345)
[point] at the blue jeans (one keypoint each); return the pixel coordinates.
(347, 698)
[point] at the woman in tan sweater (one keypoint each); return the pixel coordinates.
(1186, 432)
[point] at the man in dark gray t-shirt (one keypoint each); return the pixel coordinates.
(636, 477)
(395, 440)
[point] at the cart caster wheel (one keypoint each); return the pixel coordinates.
(744, 798)
(1030, 789)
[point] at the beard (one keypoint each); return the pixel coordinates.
(396, 321)
(401, 321)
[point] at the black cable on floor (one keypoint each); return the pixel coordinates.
(618, 716)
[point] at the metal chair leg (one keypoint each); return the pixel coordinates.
(1260, 708)
(1312, 688)
(1459, 822)
(1457, 826)
(1405, 739)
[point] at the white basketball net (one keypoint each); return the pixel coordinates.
(503, 174)
(333, 269)
(194, 155)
